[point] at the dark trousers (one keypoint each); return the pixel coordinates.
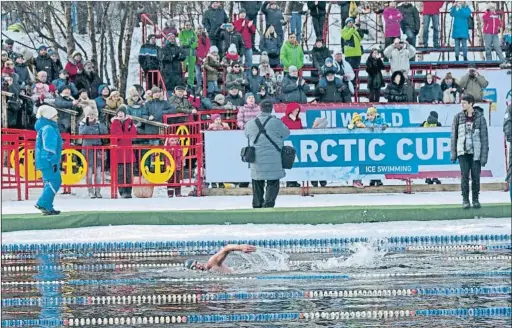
(355, 62)
(374, 95)
(124, 176)
(270, 193)
(470, 168)
(176, 178)
(318, 25)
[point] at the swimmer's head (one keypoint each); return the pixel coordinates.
(194, 265)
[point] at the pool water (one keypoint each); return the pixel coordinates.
(337, 288)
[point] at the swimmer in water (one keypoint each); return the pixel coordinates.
(216, 262)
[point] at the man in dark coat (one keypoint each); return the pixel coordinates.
(319, 53)
(268, 167)
(411, 21)
(149, 59)
(88, 80)
(294, 87)
(43, 62)
(234, 97)
(252, 8)
(8, 47)
(20, 67)
(154, 110)
(331, 89)
(213, 19)
(254, 80)
(317, 12)
(172, 56)
(227, 36)
(273, 16)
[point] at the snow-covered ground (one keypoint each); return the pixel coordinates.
(262, 231)
(68, 203)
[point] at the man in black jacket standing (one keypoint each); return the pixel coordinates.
(411, 21)
(172, 57)
(317, 12)
(213, 19)
(149, 60)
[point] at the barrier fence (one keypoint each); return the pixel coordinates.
(147, 161)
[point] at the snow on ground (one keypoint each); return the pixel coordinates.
(261, 231)
(69, 203)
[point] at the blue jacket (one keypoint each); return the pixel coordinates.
(378, 122)
(61, 83)
(460, 22)
(48, 144)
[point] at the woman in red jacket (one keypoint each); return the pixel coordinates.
(203, 46)
(74, 66)
(431, 11)
(122, 125)
(292, 120)
(247, 29)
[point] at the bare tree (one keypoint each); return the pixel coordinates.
(92, 34)
(70, 42)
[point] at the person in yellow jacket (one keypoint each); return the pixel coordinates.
(352, 43)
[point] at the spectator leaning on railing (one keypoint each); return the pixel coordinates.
(474, 83)
(492, 26)
(332, 89)
(134, 104)
(395, 91)
(399, 54)
(430, 92)
(451, 90)
(154, 110)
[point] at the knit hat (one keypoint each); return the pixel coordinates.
(9, 42)
(213, 49)
(264, 58)
(434, 114)
(338, 51)
(215, 116)
(64, 87)
(63, 71)
(121, 108)
(348, 20)
(328, 60)
(232, 48)
(292, 106)
(267, 106)
(371, 111)
(248, 94)
(4, 53)
(90, 111)
(292, 69)
(433, 118)
(155, 89)
(42, 47)
(180, 87)
(356, 118)
(46, 111)
(219, 98)
(76, 53)
(51, 52)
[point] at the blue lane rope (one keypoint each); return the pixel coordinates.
(80, 282)
(281, 295)
(265, 317)
(272, 243)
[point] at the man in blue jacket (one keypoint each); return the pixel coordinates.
(47, 157)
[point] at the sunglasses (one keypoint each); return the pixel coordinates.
(236, 66)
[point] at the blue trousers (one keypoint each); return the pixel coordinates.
(426, 25)
(461, 43)
(52, 182)
(296, 25)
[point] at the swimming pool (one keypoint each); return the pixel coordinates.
(398, 281)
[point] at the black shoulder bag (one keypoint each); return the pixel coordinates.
(248, 153)
(287, 152)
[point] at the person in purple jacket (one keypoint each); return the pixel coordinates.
(392, 18)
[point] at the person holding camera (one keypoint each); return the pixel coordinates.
(64, 80)
(470, 145)
(399, 54)
(474, 83)
(267, 167)
(374, 67)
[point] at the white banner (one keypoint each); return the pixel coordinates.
(341, 155)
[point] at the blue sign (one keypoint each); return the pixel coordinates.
(341, 118)
(387, 152)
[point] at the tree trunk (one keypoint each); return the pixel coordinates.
(92, 35)
(127, 46)
(82, 11)
(112, 56)
(49, 26)
(70, 43)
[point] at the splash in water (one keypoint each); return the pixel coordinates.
(263, 260)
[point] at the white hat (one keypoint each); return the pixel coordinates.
(213, 49)
(339, 51)
(46, 111)
(232, 48)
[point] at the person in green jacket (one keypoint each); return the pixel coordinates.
(291, 53)
(352, 43)
(188, 40)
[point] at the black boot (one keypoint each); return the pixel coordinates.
(323, 183)
(428, 181)
(372, 183)
(314, 184)
(436, 181)
(378, 183)
(465, 204)
(476, 203)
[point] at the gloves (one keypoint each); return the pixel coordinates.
(343, 88)
(321, 90)
(55, 168)
(454, 160)
(87, 121)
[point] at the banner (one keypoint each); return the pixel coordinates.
(395, 115)
(343, 155)
(498, 91)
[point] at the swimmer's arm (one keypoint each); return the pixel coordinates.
(218, 259)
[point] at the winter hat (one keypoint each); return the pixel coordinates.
(292, 106)
(292, 69)
(9, 42)
(371, 111)
(180, 87)
(328, 60)
(215, 116)
(46, 111)
(232, 48)
(4, 53)
(248, 94)
(219, 98)
(338, 52)
(348, 20)
(51, 52)
(434, 114)
(267, 106)
(63, 71)
(155, 89)
(90, 111)
(76, 53)
(264, 58)
(213, 49)
(121, 108)
(356, 118)
(41, 48)
(151, 36)
(432, 118)
(64, 87)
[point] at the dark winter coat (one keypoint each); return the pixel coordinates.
(317, 10)
(293, 92)
(23, 73)
(64, 118)
(268, 164)
(252, 9)
(374, 69)
(273, 17)
(254, 82)
(149, 57)
(226, 38)
(157, 109)
(92, 129)
(89, 82)
(56, 68)
(396, 93)
(430, 93)
(172, 71)
(44, 63)
(331, 91)
(273, 48)
(213, 19)
(479, 133)
(236, 101)
(319, 56)
(411, 18)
